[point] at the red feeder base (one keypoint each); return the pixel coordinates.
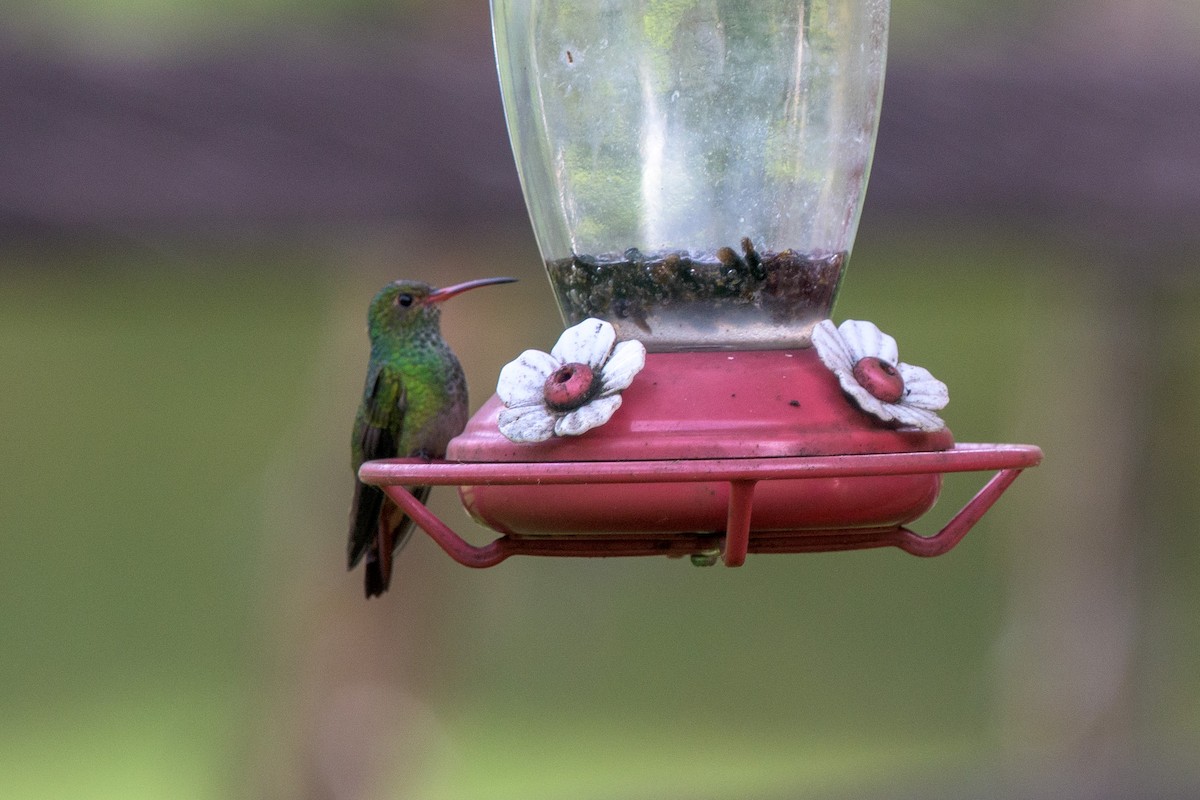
(710, 453)
(706, 405)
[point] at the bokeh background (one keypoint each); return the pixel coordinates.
(199, 197)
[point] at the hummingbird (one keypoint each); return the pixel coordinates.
(414, 402)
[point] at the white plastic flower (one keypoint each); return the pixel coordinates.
(573, 388)
(867, 364)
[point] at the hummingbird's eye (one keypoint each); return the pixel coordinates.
(404, 300)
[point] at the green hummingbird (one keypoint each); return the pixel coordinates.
(414, 402)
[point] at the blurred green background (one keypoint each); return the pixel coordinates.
(175, 616)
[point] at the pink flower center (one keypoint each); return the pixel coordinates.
(879, 378)
(570, 387)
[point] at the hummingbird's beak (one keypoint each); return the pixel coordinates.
(446, 292)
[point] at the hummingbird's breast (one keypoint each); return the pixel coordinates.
(436, 398)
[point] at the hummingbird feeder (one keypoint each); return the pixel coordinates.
(694, 174)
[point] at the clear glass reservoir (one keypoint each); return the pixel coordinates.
(694, 169)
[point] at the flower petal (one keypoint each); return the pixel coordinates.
(921, 389)
(864, 399)
(589, 343)
(623, 365)
(592, 415)
(527, 424)
(831, 348)
(865, 340)
(522, 382)
(916, 417)
(834, 354)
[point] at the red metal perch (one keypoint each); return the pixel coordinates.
(741, 474)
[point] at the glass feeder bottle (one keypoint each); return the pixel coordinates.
(694, 171)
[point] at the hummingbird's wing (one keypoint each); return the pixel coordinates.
(377, 429)
(368, 500)
(378, 528)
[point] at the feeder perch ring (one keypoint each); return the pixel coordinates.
(742, 476)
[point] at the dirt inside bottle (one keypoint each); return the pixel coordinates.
(701, 300)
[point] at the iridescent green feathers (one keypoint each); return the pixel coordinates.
(414, 402)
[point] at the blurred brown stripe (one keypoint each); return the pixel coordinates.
(283, 137)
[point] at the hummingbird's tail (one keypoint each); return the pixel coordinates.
(378, 529)
(364, 521)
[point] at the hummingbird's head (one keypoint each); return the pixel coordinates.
(410, 308)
